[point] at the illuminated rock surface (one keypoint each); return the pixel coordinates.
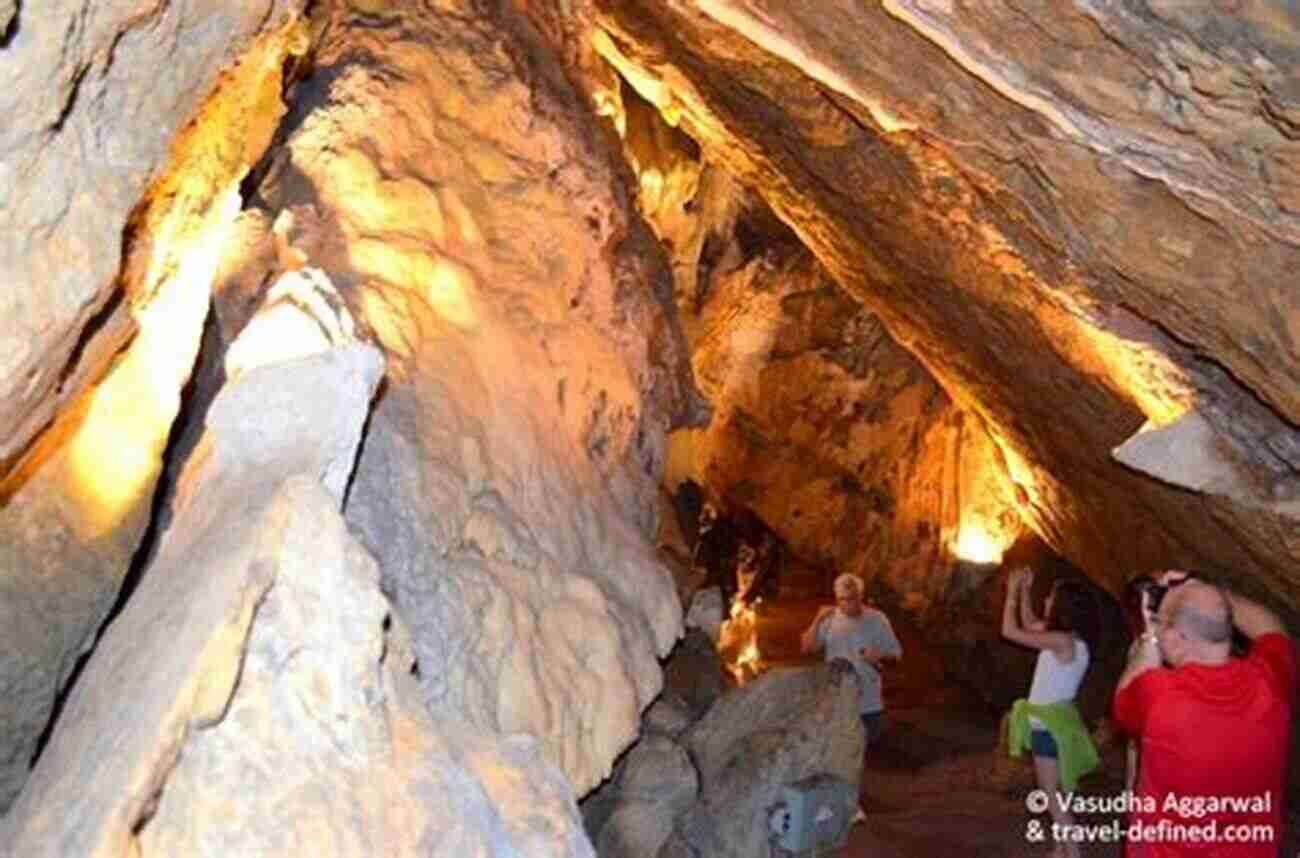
(503, 484)
(947, 277)
(1074, 249)
(75, 503)
(94, 104)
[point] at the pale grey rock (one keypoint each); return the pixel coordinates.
(659, 771)
(634, 814)
(72, 520)
(598, 805)
(325, 747)
(272, 721)
(676, 846)
(1191, 454)
(507, 483)
(249, 698)
(694, 675)
(707, 613)
(668, 715)
(125, 720)
(1185, 453)
(787, 725)
(637, 829)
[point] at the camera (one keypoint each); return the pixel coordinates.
(1156, 591)
(1155, 594)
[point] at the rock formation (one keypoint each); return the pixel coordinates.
(1069, 273)
(347, 349)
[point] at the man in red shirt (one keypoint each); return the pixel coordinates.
(1214, 728)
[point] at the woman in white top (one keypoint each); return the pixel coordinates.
(1063, 657)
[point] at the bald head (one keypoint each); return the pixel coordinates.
(1200, 612)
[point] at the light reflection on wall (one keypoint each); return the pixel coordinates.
(116, 453)
(444, 284)
(976, 545)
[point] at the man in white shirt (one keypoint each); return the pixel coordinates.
(860, 635)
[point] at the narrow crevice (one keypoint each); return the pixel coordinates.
(96, 324)
(180, 442)
(178, 446)
(71, 101)
(296, 70)
(380, 392)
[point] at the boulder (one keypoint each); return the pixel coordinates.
(787, 725)
(694, 675)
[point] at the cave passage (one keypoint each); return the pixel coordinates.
(354, 383)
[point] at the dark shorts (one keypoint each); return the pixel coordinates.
(873, 723)
(1042, 744)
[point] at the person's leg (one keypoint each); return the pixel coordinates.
(873, 724)
(1047, 773)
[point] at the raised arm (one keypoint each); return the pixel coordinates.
(1143, 655)
(809, 642)
(1029, 618)
(1250, 617)
(1061, 643)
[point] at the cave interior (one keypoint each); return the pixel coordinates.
(366, 368)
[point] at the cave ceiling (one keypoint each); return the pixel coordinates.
(1081, 219)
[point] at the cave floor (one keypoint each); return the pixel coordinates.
(936, 780)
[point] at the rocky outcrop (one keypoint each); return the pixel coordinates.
(74, 170)
(704, 781)
(446, 177)
(256, 694)
(170, 662)
(69, 531)
(1077, 273)
(92, 144)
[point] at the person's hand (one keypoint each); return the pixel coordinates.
(1148, 613)
(871, 655)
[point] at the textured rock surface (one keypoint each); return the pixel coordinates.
(255, 695)
(68, 532)
(1067, 272)
(789, 724)
(74, 165)
(833, 433)
(506, 484)
(693, 676)
(96, 96)
(1082, 222)
(278, 715)
(325, 746)
(657, 784)
(122, 727)
(708, 790)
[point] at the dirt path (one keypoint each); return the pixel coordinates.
(936, 783)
